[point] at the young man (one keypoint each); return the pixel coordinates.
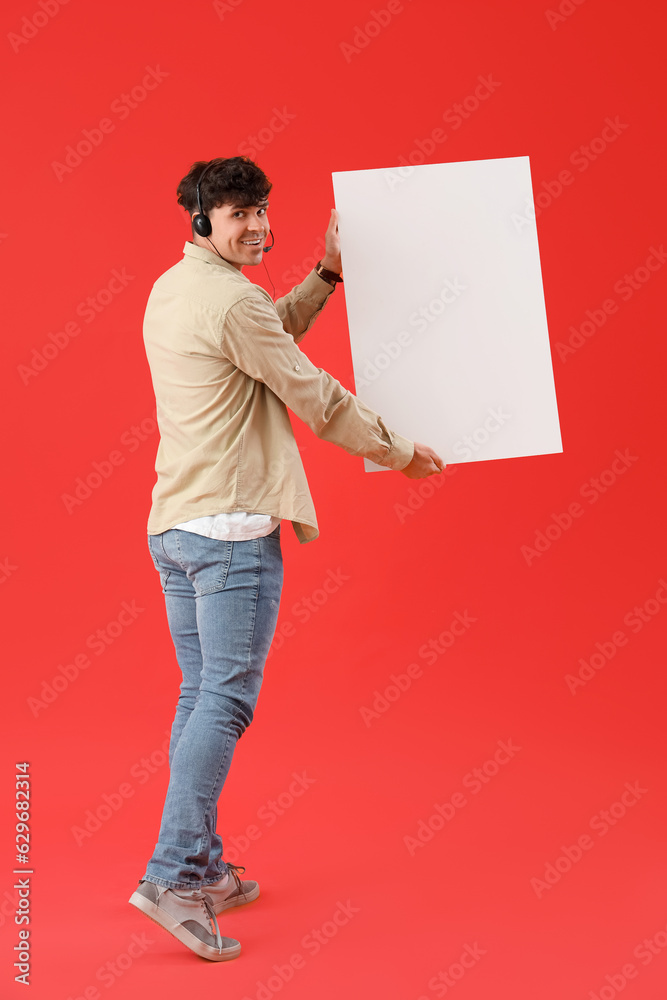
(225, 364)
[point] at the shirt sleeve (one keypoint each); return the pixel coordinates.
(253, 338)
(299, 309)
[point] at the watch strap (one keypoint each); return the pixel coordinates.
(326, 274)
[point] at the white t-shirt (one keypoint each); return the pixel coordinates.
(233, 526)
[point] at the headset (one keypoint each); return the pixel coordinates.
(201, 222)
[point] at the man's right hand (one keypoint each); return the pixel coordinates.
(425, 462)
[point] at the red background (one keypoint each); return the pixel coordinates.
(373, 783)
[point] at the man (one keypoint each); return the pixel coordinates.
(225, 365)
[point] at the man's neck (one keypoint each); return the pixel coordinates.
(238, 267)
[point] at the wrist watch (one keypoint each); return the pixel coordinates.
(328, 275)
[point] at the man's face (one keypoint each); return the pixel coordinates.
(238, 233)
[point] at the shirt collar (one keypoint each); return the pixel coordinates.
(203, 253)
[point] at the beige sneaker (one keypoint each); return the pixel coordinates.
(187, 914)
(234, 893)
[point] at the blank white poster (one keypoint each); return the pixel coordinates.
(445, 303)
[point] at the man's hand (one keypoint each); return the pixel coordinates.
(425, 462)
(331, 259)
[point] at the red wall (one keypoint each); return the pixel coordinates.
(540, 874)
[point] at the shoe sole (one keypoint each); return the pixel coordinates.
(239, 900)
(167, 922)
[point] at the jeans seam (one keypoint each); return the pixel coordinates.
(208, 801)
(258, 577)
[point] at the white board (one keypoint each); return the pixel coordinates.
(445, 304)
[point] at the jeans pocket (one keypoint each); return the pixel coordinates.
(208, 564)
(164, 573)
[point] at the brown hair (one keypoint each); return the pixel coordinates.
(230, 180)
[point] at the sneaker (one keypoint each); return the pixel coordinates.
(234, 892)
(188, 915)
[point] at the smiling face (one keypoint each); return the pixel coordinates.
(238, 233)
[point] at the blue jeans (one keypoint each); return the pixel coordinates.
(222, 603)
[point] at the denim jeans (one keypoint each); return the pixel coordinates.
(222, 601)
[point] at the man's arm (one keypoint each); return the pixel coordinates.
(253, 339)
(294, 308)
(299, 309)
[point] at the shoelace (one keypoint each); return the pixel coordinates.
(210, 912)
(234, 869)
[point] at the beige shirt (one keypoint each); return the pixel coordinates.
(225, 366)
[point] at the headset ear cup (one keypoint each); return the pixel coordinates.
(202, 224)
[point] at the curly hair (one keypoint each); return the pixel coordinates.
(232, 180)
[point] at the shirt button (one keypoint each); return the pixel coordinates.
(297, 368)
